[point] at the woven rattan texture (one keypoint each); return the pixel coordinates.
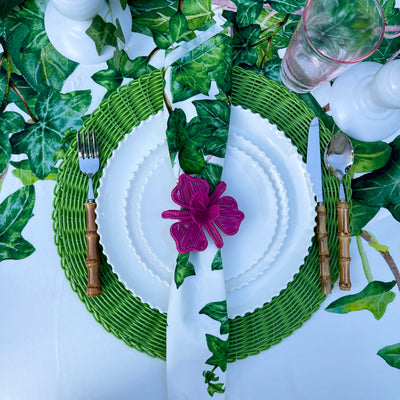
(124, 315)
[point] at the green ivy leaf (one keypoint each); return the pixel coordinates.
(31, 14)
(31, 51)
(196, 70)
(388, 7)
(56, 113)
(22, 171)
(369, 156)
(5, 154)
(209, 130)
(244, 42)
(248, 11)
(217, 310)
(210, 378)
(215, 388)
(162, 40)
(136, 67)
(271, 69)
(216, 264)
(178, 27)
(111, 78)
(183, 269)
(102, 33)
(391, 354)
(10, 122)
(219, 349)
(374, 297)
(381, 188)
(191, 159)
(286, 6)
(15, 212)
(7, 6)
(149, 16)
(176, 131)
(119, 34)
(198, 13)
(212, 174)
(361, 214)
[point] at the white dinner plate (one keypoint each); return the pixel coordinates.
(264, 173)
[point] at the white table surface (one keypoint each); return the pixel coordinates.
(52, 348)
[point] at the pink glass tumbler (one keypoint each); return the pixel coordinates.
(330, 37)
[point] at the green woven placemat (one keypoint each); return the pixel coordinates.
(117, 309)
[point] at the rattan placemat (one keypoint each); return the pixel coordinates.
(117, 309)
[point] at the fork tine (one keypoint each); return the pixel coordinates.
(95, 148)
(80, 154)
(85, 152)
(89, 142)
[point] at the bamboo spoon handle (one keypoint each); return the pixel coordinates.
(323, 250)
(344, 245)
(92, 258)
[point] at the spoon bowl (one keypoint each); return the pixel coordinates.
(339, 157)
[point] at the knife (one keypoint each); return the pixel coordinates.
(314, 169)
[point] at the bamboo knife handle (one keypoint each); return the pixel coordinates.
(92, 256)
(344, 245)
(323, 250)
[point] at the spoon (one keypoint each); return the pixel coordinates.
(339, 157)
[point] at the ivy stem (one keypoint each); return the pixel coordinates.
(10, 83)
(151, 54)
(265, 52)
(6, 54)
(364, 259)
(279, 26)
(386, 256)
(16, 90)
(167, 103)
(180, 5)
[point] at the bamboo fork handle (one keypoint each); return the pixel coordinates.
(92, 258)
(344, 245)
(323, 250)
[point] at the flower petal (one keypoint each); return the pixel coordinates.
(188, 236)
(185, 189)
(216, 194)
(216, 237)
(181, 215)
(230, 217)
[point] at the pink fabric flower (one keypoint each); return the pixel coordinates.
(201, 209)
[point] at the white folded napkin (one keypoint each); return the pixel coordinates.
(198, 83)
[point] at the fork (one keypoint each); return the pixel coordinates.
(89, 164)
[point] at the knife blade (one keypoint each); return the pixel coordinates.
(314, 169)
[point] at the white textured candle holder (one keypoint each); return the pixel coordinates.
(365, 101)
(66, 22)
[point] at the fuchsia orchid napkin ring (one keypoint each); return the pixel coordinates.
(201, 209)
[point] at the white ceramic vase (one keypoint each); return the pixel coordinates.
(66, 22)
(365, 101)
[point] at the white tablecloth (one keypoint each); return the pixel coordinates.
(52, 348)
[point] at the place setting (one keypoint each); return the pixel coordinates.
(277, 258)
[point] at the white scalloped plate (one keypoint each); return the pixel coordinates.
(263, 172)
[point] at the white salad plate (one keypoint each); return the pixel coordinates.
(264, 173)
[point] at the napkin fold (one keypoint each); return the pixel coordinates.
(198, 89)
